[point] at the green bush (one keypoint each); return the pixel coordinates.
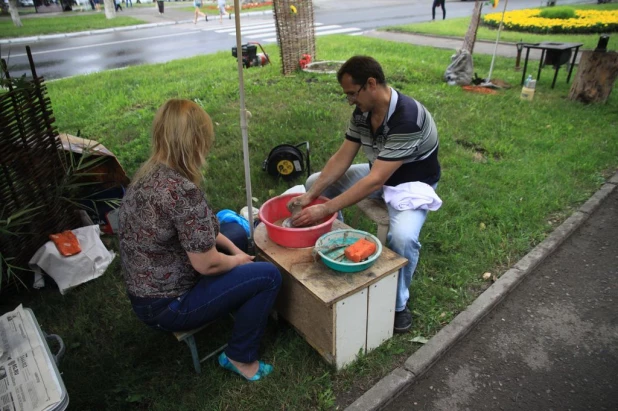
(563, 13)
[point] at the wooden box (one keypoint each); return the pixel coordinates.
(339, 314)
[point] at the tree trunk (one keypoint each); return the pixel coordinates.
(110, 9)
(470, 38)
(14, 13)
(595, 77)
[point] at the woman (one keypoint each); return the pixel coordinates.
(221, 5)
(198, 12)
(180, 271)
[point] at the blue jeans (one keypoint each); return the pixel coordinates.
(403, 234)
(250, 289)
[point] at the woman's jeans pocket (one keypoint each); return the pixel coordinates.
(151, 310)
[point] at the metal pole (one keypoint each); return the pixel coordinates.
(520, 47)
(243, 119)
(493, 59)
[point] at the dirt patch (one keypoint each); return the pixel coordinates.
(480, 154)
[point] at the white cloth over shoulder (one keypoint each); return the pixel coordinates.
(70, 271)
(412, 196)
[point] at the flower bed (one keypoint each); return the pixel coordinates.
(585, 21)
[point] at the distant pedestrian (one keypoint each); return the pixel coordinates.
(97, 5)
(221, 4)
(118, 4)
(198, 12)
(438, 3)
(161, 6)
(129, 3)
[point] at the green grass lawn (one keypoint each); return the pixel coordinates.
(512, 171)
(63, 24)
(457, 27)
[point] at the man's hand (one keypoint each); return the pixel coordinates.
(299, 202)
(311, 216)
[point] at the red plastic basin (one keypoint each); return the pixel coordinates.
(276, 209)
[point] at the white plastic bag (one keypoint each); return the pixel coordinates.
(460, 71)
(70, 271)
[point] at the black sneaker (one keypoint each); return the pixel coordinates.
(403, 321)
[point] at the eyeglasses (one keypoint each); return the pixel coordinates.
(353, 96)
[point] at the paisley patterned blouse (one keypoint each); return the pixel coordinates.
(161, 218)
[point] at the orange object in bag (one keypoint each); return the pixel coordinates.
(66, 243)
(360, 250)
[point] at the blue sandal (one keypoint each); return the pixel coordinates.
(263, 369)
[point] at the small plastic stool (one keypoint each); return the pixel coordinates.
(188, 337)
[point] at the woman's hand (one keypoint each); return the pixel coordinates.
(311, 215)
(213, 262)
(243, 258)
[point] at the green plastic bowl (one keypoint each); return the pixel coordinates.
(331, 246)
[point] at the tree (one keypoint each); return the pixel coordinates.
(473, 28)
(14, 13)
(110, 9)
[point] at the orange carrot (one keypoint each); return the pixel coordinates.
(360, 250)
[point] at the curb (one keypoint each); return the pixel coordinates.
(385, 390)
(34, 39)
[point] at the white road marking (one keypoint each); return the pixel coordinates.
(322, 33)
(337, 31)
(319, 30)
(255, 26)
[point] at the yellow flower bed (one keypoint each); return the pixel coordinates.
(585, 21)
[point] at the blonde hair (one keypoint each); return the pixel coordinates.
(182, 135)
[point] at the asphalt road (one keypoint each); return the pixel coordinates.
(66, 57)
(550, 345)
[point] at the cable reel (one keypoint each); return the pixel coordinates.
(287, 161)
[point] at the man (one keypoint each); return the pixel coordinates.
(400, 139)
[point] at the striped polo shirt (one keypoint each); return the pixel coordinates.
(408, 133)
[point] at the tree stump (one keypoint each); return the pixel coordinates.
(595, 77)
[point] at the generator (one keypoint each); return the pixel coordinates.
(250, 56)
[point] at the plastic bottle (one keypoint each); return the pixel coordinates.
(527, 91)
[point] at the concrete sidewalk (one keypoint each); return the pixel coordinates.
(453, 43)
(551, 345)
